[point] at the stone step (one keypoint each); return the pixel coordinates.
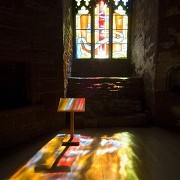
(124, 81)
(133, 120)
(105, 87)
(110, 101)
(113, 106)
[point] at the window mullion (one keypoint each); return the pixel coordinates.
(74, 32)
(92, 34)
(110, 30)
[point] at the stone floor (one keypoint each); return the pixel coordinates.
(104, 153)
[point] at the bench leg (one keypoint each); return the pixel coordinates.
(72, 124)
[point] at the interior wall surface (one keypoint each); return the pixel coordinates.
(144, 45)
(167, 69)
(31, 47)
(67, 41)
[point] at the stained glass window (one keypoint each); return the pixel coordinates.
(101, 29)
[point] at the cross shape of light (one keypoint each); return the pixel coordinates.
(116, 2)
(87, 2)
(78, 2)
(124, 1)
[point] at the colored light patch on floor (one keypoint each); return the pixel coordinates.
(95, 158)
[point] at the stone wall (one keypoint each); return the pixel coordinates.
(169, 41)
(67, 40)
(31, 34)
(144, 44)
(167, 100)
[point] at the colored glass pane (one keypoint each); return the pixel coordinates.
(83, 34)
(101, 25)
(109, 31)
(119, 51)
(120, 30)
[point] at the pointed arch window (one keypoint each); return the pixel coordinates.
(101, 29)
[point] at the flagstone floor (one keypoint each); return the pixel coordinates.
(103, 154)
